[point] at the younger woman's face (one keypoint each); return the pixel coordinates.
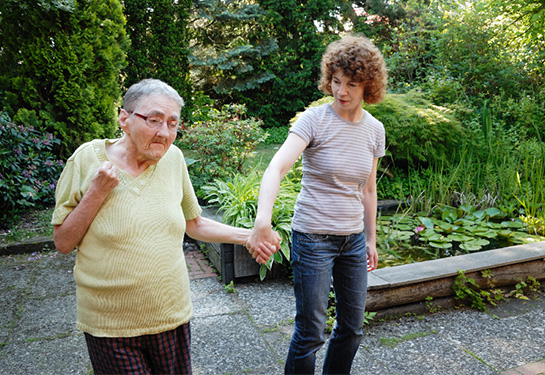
(348, 94)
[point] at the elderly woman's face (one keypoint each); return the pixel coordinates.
(148, 142)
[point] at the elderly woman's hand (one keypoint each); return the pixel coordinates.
(105, 180)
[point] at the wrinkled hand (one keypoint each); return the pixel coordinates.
(105, 180)
(263, 243)
(372, 257)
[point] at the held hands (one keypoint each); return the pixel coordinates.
(263, 243)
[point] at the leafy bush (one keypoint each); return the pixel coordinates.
(63, 59)
(28, 168)
(417, 132)
(222, 143)
(277, 135)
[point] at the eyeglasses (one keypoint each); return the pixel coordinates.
(156, 122)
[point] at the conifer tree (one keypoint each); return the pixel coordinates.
(62, 59)
(159, 38)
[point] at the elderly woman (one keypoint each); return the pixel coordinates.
(333, 228)
(126, 204)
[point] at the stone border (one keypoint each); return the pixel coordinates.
(400, 288)
(413, 283)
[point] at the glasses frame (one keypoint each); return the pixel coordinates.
(179, 126)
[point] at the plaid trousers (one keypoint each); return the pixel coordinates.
(162, 353)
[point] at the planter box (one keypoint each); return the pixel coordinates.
(231, 261)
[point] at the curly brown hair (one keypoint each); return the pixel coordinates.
(360, 60)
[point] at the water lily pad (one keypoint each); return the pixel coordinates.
(505, 233)
(470, 246)
(449, 216)
(466, 209)
(427, 233)
(447, 227)
(458, 237)
(512, 224)
(400, 235)
(440, 245)
(426, 222)
(492, 212)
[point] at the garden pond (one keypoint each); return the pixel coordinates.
(406, 238)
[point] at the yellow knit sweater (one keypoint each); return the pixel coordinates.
(130, 272)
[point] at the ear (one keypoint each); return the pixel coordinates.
(123, 117)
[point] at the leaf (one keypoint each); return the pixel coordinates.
(449, 216)
(426, 222)
(262, 272)
(441, 245)
(492, 212)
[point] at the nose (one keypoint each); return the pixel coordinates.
(342, 89)
(163, 129)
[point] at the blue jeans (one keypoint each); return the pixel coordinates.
(315, 259)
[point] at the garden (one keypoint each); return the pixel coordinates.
(464, 114)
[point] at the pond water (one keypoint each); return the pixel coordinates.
(404, 238)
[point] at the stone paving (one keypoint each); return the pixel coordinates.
(246, 329)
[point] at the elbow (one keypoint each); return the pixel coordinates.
(62, 247)
(61, 244)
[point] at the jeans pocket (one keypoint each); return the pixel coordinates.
(311, 238)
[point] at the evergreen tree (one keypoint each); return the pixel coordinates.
(227, 59)
(62, 59)
(159, 44)
(302, 29)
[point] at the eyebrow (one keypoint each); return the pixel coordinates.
(155, 112)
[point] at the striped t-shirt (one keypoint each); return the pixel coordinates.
(336, 165)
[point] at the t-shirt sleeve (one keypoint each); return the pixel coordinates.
(190, 204)
(67, 195)
(380, 147)
(305, 126)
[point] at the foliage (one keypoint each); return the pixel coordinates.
(63, 61)
(532, 197)
(411, 50)
(223, 143)
(237, 198)
(452, 231)
(466, 289)
(527, 16)
(33, 223)
(295, 64)
(159, 37)
(417, 132)
(225, 57)
(28, 168)
(277, 135)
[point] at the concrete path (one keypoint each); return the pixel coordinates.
(246, 330)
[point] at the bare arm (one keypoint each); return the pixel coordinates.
(280, 164)
(208, 230)
(70, 233)
(370, 215)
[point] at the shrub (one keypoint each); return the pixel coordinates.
(236, 197)
(28, 168)
(417, 132)
(222, 143)
(277, 135)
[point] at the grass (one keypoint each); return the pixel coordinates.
(34, 223)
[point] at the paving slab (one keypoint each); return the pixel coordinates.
(246, 329)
